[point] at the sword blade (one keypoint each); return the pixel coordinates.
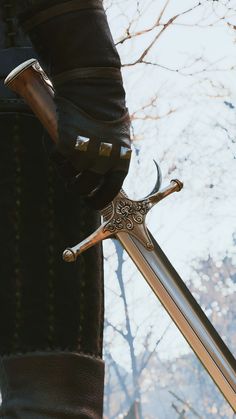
(187, 314)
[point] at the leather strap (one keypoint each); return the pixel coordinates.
(84, 125)
(61, 9)
(13, 105)
(87, 73)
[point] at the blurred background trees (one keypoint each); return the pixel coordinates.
(179, 72)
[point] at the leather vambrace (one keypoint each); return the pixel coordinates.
(74, 43)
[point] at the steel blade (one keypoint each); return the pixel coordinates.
(186, 313)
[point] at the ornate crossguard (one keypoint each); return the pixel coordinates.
(125, 215)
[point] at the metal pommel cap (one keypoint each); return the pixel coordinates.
(125, 215)
(69, 256)
(179, 183)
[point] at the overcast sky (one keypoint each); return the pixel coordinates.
(195, 143)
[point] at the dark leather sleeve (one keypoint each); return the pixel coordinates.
(45, 304)
(50, 312)
(45, 385)
(73, 40)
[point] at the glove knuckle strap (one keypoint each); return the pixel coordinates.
(87, 73)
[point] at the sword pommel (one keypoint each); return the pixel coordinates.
(69, 255)
(30, 81)
(180, 184)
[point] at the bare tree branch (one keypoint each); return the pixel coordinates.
(186, 404)
(159, 34)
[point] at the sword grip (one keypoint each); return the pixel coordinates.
(30, 82)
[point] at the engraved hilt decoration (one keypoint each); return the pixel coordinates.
(122, 214)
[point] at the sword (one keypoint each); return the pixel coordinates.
(124, 220)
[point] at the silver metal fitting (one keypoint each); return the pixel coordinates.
(125, 153)
(105, 149)
(82, 143)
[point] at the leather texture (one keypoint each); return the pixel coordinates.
(87, 73)
(60, 9)
(52, 386)
(45, 303)
(72, 117)
(97, 104)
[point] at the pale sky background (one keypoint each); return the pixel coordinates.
(196, 143)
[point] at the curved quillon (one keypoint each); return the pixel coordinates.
(125, 215)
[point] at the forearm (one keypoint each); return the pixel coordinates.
(73, 41)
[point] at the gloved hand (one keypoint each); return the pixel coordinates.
(74, 42)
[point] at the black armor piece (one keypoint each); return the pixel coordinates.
(53, 386)
(45, 304)
(15, 47)
(39, 218)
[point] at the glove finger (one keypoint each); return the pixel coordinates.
(111, 157)
(86, 182)
(107, 191)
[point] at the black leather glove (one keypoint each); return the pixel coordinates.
(74, 42)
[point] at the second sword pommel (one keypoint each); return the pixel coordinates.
(30, 82)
